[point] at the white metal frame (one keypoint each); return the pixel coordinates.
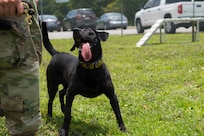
(161, 22)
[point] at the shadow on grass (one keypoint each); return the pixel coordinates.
(78, 127)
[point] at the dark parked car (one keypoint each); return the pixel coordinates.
(52, 22)
(112, 20)
(79, 18)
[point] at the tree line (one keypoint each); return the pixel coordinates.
(127, 7)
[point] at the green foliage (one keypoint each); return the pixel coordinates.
(130, 7)
(160, 90)
(99, 6)
(51, 7)
(114, 6)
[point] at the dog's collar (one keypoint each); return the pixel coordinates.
(93, 65)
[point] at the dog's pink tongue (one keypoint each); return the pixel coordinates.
(86, 51)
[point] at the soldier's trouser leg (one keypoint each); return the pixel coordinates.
(20, 101)
(19, 84)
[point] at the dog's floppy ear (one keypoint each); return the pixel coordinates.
(75, 31)
(103, 36)
(73, 47)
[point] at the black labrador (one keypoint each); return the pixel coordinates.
(86, 75)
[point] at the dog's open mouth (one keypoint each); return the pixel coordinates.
(86, 51)
(83, 43)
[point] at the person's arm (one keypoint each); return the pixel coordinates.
(10, 8)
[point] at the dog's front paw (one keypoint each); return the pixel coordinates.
(63, 132)
(123, 128)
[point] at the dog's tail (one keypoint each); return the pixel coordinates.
(46, 40)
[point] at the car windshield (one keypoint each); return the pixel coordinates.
(86, 12)
(173, 1)
(115, 15)
(46, 17)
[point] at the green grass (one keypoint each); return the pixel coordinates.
(160, 89)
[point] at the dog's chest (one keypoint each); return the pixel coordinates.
(88, 89)
(89, 85)
(92, 78)
(91, 82)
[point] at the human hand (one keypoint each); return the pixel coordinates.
(11, 8)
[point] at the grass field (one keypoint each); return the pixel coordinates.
(160, 90)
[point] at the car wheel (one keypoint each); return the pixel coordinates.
(97, 28)
(93, 27)
(72, 26)
(170, 27)
(139, 26)
(201, 26)
(58, 29)
(64, 28)
(105, 26)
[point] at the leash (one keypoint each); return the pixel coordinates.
(28, 11)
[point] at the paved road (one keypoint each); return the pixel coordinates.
(129, 31)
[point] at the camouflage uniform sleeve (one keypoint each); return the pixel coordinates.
(36, 31)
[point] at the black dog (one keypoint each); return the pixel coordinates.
(86, 75)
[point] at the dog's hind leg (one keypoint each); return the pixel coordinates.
(52, 90)
(61, 97)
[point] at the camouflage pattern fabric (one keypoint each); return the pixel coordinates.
(20, 56)
(35, 31)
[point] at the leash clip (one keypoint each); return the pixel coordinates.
(28, 12)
